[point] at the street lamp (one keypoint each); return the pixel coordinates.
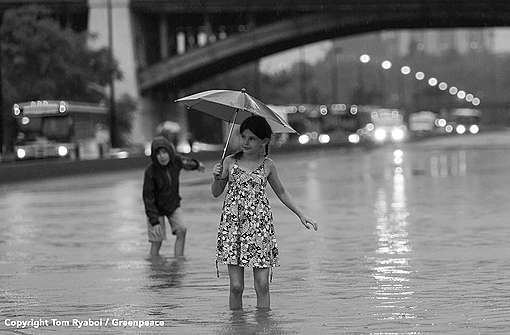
(113, 116)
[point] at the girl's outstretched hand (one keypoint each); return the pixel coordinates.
(308, 223)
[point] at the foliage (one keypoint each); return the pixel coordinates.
(43, 61)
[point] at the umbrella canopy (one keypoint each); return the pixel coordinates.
(234, 106)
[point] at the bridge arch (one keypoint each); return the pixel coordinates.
(198, 64)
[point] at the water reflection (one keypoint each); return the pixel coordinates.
(448, 164)
(392, 269)
(260, 321)
(165, 273)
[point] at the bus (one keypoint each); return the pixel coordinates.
(60, 129)
(422, 123)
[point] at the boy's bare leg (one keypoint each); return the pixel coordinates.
(179, 242)
(155, 246)
(261, 283)
(236, 274)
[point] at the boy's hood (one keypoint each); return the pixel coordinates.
(161, 142)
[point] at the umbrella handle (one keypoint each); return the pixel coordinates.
(229, 135)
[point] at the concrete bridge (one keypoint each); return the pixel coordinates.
(163, 46)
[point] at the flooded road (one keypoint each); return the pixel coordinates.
(410, 242)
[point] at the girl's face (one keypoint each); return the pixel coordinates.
(250, 143)
(163, 156)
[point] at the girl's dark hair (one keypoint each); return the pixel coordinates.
(259, 126)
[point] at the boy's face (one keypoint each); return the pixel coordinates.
(163, 156)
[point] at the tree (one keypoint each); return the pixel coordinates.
(43, 61)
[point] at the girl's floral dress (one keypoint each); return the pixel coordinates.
(246, 231)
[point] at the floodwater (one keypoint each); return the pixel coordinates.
(411, 245)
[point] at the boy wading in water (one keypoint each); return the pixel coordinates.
(161, 194)
(246, 236)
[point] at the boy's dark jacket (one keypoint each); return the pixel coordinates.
(161, 183)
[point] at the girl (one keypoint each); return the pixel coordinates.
(246, 233)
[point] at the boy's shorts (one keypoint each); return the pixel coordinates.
(175, 222)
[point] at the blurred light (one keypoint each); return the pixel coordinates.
(21, 153)
(364, 58)
(405, 69)
(370, 126)
(303, 139)
(397, 134)
(398, 160)
(443, 86)
(448, 128)
(25, 120)
(398, 153)
(440, 122)
(16, 110)
(380, 134)
(147, 149)
(453, 90)
(353, 138)
(62, 150)
(469, 97)
(419, 75)
(120, 154)
(432, 81)
(461, 94)
(386, 65)
(323, 110)
(354, 110)
(62, 107)
(324, 138)
(460, 129)
(184, 147)
(474, 129)
(475, 101)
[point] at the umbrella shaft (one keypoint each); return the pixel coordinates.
(229, 135)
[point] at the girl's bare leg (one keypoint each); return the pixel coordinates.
(261, 281)
(236, 274)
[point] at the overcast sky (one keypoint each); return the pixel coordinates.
(313, 53)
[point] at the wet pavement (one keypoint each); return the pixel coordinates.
(409, 242)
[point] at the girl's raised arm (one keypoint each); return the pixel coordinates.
(284, 197)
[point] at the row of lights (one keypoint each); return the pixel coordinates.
(432, 81)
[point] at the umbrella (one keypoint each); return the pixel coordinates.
(234, 107)
(168, 126)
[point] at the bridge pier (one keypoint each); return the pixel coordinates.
(123, 47)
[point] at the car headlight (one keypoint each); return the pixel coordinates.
(353, 138)
(62, 150)
(324, 138)
(460, 129)
(21, 153)
(303, 139)
(474, 129)
(380, 134)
